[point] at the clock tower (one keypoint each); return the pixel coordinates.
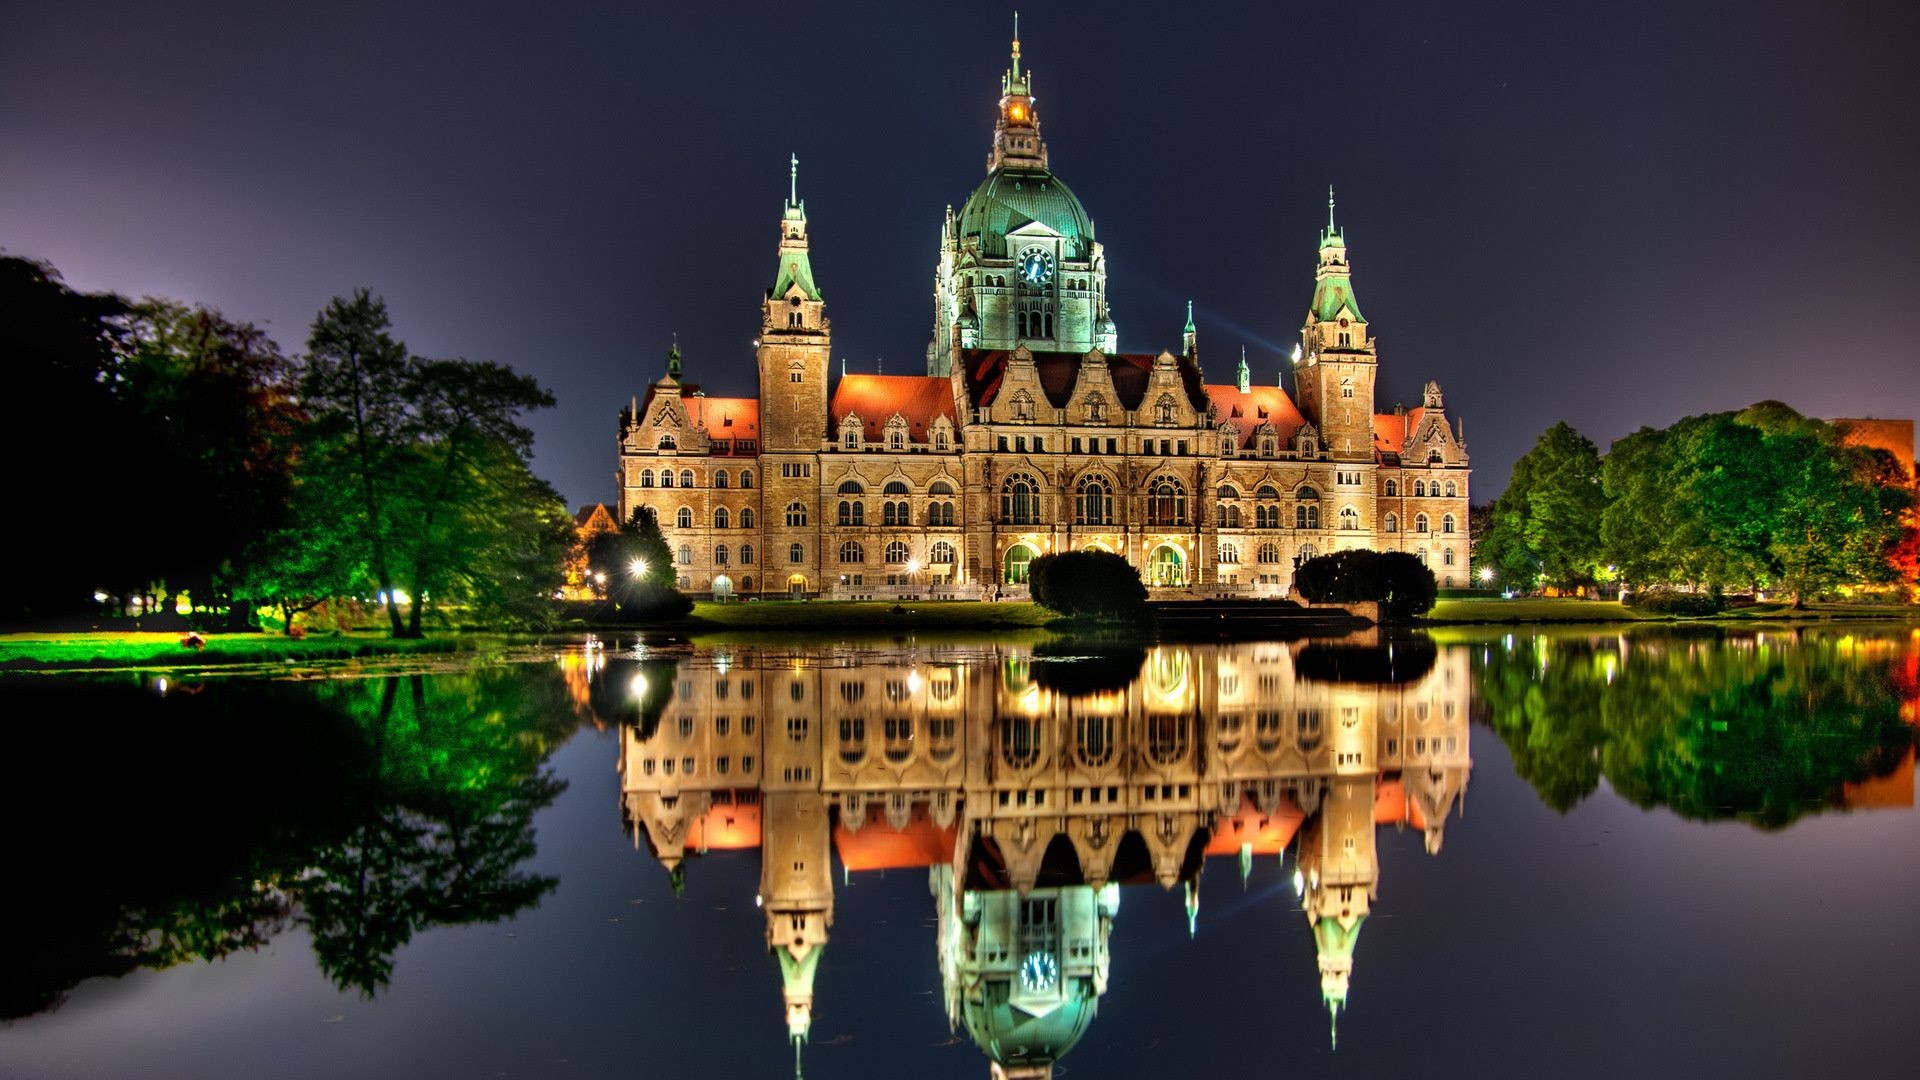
(1335, 372)
(1018, 264)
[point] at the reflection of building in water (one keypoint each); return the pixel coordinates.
(1031, 800)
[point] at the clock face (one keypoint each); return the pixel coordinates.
(1036, 266)
(1039, 972)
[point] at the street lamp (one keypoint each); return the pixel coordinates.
(639, 568)
(1486, 573)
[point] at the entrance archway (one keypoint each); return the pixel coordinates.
(797, 586)
(1019, 557)
(1166, 567)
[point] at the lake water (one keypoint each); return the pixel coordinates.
(1583, 854)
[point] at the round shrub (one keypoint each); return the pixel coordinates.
(1087, 584)
(1400, 583)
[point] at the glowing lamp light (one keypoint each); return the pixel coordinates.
(913, 566)
(639, 567)
(638, 687)
(1486, 573)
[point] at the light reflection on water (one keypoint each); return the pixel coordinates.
(1265, 788)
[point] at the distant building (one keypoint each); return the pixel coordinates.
(1030, 433)
(592, 520)
(1896, 438)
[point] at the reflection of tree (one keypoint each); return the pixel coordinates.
(1708, 726)
(367, 810)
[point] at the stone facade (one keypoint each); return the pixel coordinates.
(1031, 433)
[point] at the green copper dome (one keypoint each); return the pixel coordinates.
(1014, 1037)
(1010, 198)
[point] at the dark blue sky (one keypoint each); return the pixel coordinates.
(1614, 214)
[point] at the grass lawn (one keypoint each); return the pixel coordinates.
(1571, 610)
(872, 615)
(133, 649)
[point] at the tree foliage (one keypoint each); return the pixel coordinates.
(1545, 527)
(1400, 583)
(1087, 584)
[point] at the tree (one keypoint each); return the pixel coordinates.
(439, 466)
(354, 385)
(1400, 583)
(639, 568)
(1545, 526)
(1087, 584)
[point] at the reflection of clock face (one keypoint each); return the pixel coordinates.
(1039, 972)
(1036, 266)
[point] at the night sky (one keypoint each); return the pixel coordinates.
(1614, 214)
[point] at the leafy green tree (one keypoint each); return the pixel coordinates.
(354, 384)
(1546, 525)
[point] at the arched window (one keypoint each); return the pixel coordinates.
(850, 437)
(896, 437)
(684, 519)
(941, 552)
(851, 513)
(746, 517)
(1269, 553)
(686, 554)
(720, 478)
(1167, 502)
(1092, 501)
(852, 487)
(1446, 556)
(940, 513)
(720, 554)
(1392, 524)
(686, 478)
(896, 551)
(1419, 489)
(1228, 491)
(667, 443)
(1446, 523)
(796, 553)
(746, 555)
(852, 552)
(746, 478)
(1308, 551)
(1228, 516)
(646, 477)
(1229, 553)
(1267, 491)
(1020, 500)
(1307, 494)
(1393, 488)
(1306, 516)
(1451, 490)
(940, 487)
(1349, 518)
(666, 478)
(720, 517)
(796, 514)
(894, 487)
(1420, 523)
(1266, 517)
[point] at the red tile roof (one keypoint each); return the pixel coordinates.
(920, 399)
(1390, 430)
(1258, 405)
(725, 417)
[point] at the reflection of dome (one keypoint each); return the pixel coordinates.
(1014, 1038)
(1010, 198)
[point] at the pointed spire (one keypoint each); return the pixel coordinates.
(673, 359)
(1243, 376)
(1016, 44)
(1246, 857)
(1333, 1024)
(793, 179)
(1193, 907)
(1329, 209)
(1189, 316)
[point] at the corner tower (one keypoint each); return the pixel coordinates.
(795, 340)
(1018, 264)
(1335, 372)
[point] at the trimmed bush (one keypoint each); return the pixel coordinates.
(1672, 602)
(1400, 583)
(1087, 584)
(648, 602)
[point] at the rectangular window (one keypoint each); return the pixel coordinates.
(1182, 451)
(1039, 444)
(1020, 443)
(1111, 443)
(1003, 444)
(1076, 445)
(1147, 447)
